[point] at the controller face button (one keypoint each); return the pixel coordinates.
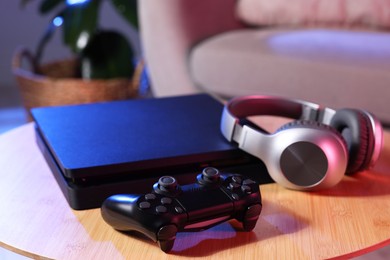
(237, 179)
(161, 209)
(166, 201)
(234, 186)
(248, 182)
(246, 189)
(150, 196)
(235, 196)
(144, 205)
(179, 210)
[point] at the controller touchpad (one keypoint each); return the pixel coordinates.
(214, 201)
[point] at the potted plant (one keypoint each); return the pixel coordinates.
(103, 66)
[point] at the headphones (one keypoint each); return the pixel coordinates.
(311, 153)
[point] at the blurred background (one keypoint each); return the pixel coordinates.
(24, 27)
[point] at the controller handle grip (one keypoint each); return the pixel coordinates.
(117, 210)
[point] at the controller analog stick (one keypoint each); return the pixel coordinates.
(167, 185)
(210, 175)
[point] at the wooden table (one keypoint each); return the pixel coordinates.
(35, 220)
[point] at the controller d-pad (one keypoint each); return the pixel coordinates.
(153, 203)
(150, 196)
(144, 205)
(166, 201)
(161, 209)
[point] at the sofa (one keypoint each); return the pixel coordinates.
(331, 57)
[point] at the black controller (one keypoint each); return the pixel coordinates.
(171, 208)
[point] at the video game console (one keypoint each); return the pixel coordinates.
(97, 150)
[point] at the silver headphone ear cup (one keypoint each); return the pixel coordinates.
(316, 159)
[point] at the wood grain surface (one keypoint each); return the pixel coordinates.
(35, 220)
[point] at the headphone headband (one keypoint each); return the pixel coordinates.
(246, 106)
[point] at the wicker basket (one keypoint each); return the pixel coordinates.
(57, 84)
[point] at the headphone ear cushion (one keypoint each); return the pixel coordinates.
(354, 126)
(311, 124)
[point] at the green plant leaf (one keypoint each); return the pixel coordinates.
(48, 5)
(128, 10)
(80, 23)
(107, 55)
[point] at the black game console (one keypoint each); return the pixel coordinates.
(101, 149)
(170, 208)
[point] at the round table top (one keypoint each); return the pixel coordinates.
(350, 219)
